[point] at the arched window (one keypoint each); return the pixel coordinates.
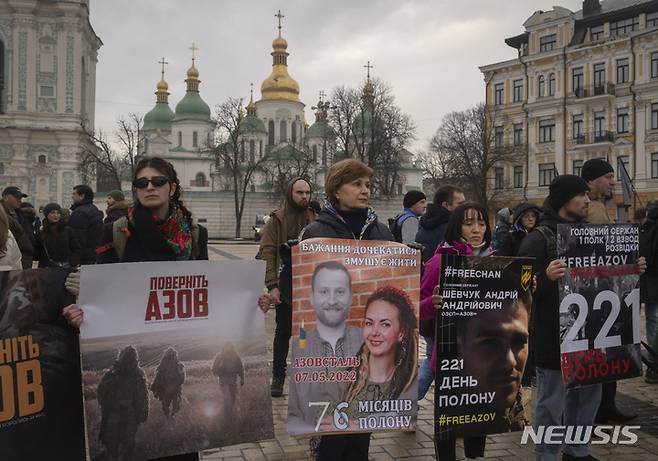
(260, 149)
(252, 151)
(551, 84)
(41, 159)
(2, 168)
(200, 179)
(294, 132)
(283, 131)
(180, 138)
(315, 154)
(242, 152)
(3, 78)
(324, 155)
(195, 139)
(270, 133)
(542, 86)
(146, 145)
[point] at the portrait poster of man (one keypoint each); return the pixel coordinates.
(173, 358)
(355, 337)
(40, 384)
(599, 303)
(482, 345)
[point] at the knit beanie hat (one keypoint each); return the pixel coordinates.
(412, 197)
(117, 195)
(564, 188)
(595, 168)
(51, 207)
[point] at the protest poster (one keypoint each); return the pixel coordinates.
(40, 386)
(355, 337)
(482, 345)
(599, 303)
(173, 358)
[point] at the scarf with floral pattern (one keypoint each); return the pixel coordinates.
(175, 230)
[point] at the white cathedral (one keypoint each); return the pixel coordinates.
(274, 126)
(48, 55)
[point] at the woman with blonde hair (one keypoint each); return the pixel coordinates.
(10, 254)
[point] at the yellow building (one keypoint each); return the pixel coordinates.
(583, 85)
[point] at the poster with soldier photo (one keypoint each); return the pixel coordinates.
(355, 337)
(173, 358)
(599, 303)
(483, 347)
(40, 386)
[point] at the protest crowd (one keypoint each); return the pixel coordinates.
(155, 225)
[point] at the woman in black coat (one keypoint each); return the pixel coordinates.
(158, 227)
(56, 245)
(347, 215)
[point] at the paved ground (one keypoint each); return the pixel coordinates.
(634, 395)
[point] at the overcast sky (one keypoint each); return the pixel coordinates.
(428, 51)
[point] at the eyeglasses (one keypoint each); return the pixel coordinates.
(157, 181)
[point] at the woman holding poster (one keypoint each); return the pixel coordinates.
(158, 227)
(346, 215)
(468, 233)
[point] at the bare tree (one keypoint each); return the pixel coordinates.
(464, 144)
(287, 163)
(114, 160)
(371, 127)
(229, 157)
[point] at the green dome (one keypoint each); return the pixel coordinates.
(362, 124)
(252, 124)
(192, 107)
(320, 129)
(159, 117)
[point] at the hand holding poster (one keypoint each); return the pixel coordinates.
(40, 386)
(599, 303)
(355, 343)
(482, 345)
(174, 358)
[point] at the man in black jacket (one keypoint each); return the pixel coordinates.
(567, 202)
(12, 198)
(432, 225)
(86, 221)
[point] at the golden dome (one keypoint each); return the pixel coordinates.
(192, 72)
(162, 86)
(279, 43)
(280, 85)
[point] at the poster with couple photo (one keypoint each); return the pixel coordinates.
(482, 346)
(173, 358)
(355, 337)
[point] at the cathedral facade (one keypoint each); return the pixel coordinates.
(48, 55)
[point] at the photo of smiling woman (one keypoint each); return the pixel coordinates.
(388, 367)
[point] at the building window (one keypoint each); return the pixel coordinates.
(518, 90)
(41, 159)
(399, 189)
(499, 135)
(599, 74)
(270, 133)
(252, 188)
(577, 80)
(315, 154)
(2, 168)
(518, 177)
(547, 42)
(577, 126)
(551, 84)
(541, 85)
(260, 149)
(3, 77)
(499, 93)
(652, 19)
(654, 165)
(499, 178)
(546, 130)
(46, 91)
(324, 156)
(180, 138)
(518, 134)
(654, 65)
(599, 124)
(654, 116)
(200, 180)
(546, 173)
(622, 120)
(622, 160)
(622, 71)
(252, 151)
(283, 131)
(577, 167)
(624, 26)
(596, 33)
(195, 139)
(294, 132)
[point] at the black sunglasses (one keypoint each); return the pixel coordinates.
(157, 181)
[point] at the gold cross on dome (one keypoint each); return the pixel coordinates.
(368, 67)
(280, 17)
(194, 50)
(163, 62)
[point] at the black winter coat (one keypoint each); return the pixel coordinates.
(86, 221)
(649, 249)
(62, 247)
(511, 242)
(330, 225)
(432, 229)
(545, 330)
(116, 211)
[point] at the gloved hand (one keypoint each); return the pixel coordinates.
(72, 283)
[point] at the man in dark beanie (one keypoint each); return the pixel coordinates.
(405, 226)
(600, 177)
(567, 202)
(284, 224)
